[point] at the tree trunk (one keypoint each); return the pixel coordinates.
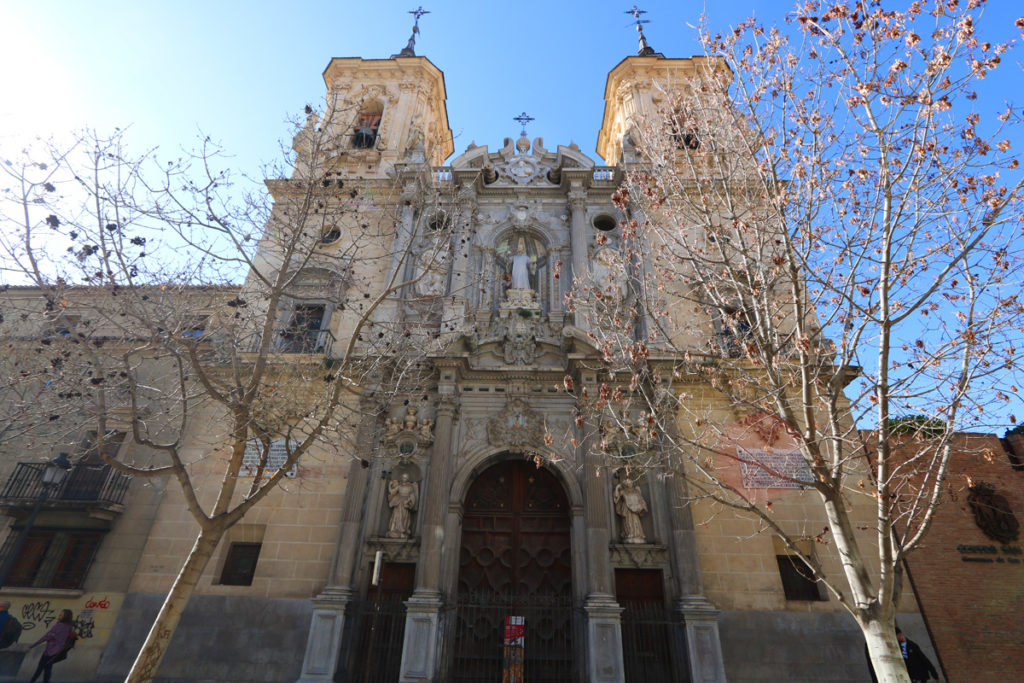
(159, 637)
(884, 650)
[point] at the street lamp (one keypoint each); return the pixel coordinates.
(53, 474)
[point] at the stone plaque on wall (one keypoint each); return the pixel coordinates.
(773, 469)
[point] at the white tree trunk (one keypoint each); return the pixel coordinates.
(153, 650)
(884, 650)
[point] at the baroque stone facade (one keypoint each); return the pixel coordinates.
(481, 496)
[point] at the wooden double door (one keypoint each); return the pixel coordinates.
(515, 561)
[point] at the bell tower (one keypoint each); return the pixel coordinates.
(638, 92)
(380, 112)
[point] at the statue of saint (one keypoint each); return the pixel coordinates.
(519, 259)
(630, 506)
(523, 266)
(402, 498)
(432, 270)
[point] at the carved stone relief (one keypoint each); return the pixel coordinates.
(517, 426)
(993, 514)
(404, 438)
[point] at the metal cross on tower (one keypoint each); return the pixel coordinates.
(523, 119)
(409, 49)
(645, 49)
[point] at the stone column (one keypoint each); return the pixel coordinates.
(454, 315)
(402, 237)
(703, 645)
(604, 622)
(578, 232)
(422, 643)
(324, 641)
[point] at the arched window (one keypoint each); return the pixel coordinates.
(367, 125)
(683, 129)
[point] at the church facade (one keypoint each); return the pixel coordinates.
(475, 530)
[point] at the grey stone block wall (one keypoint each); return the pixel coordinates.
(814, 647)
(227, 639)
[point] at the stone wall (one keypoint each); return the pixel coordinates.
(791, 646)
(971, 587)
(220, 638)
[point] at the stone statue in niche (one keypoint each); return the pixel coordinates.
(431, 270)
(520, 258)
(403, 496)
(523, 266)
(630, 506)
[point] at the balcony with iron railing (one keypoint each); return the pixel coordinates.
(305, 341)
(93, 488)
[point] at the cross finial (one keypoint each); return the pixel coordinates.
(409, 49)
(523, 119)
(645, 49)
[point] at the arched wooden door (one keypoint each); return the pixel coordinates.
(515, 561)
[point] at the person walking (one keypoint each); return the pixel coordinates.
(59, 639)
(918, 665)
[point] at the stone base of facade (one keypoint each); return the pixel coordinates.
(422, 641)
(765, 647)
(604, 640)
(228, 639)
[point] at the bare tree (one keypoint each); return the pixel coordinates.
(823, 236)
(140, 268)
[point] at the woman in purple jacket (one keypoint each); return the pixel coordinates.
(59, 640)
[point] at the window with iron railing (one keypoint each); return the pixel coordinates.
(306, 329)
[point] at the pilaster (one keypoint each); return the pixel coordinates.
(323, 645)
(700, 618)
(604, 616)
(578, 233)
(325, 631)
(604, 641)
(422, 641)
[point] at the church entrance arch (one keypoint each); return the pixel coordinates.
(515, 561)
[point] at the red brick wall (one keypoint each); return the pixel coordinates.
(973, 607)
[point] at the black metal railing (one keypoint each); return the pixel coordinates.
(478, 649)
(86, 483)
(372, 647)
(653, 643)
(305, 341)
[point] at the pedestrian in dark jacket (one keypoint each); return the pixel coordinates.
(59, 639)
(919, 668)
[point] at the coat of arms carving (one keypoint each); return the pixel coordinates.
(518, 425)
(992, 513)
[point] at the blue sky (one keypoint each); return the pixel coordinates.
(236, 70)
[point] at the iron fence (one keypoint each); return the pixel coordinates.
(99, 483)
(374, 631)
(653, 643)
(478, 645)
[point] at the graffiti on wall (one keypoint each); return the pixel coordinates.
(94, 615)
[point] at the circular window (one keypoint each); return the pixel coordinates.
(604, 222)
(330, 236)
(439, 221)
